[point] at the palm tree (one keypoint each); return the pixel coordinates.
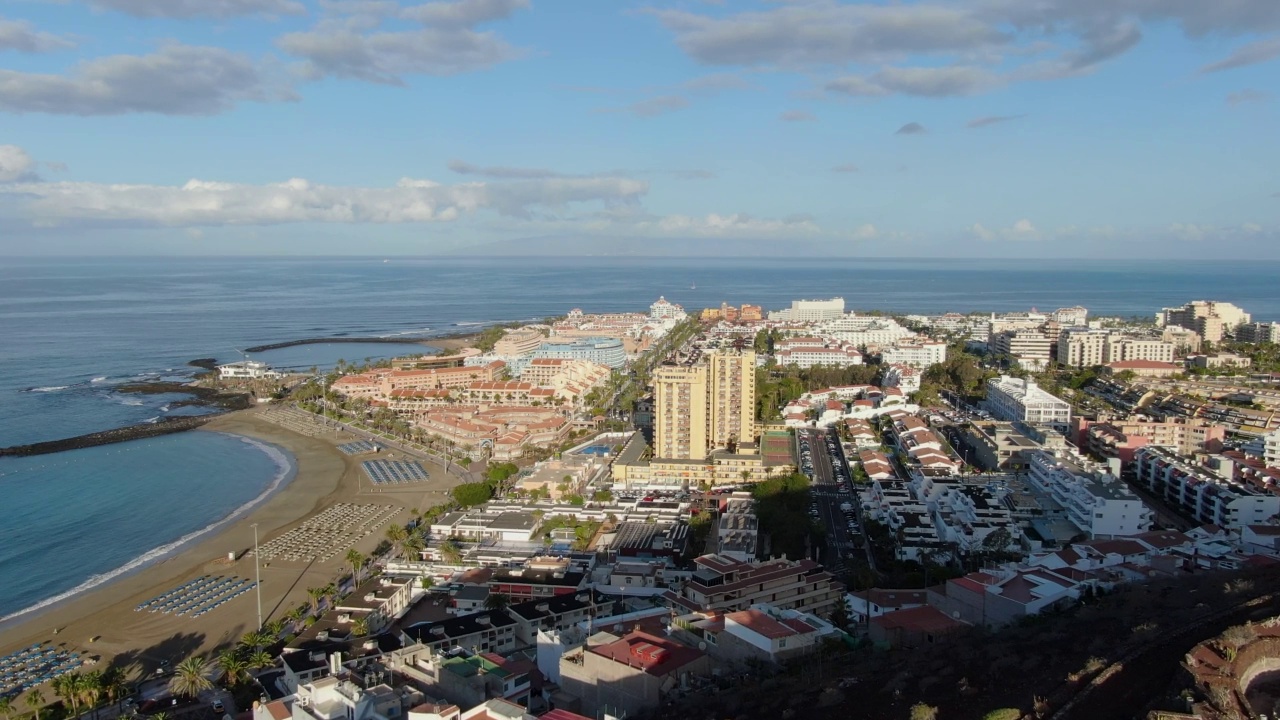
(66, 687)
(35, 701)
(233, 666)
(190, 677)
(497, 601)
(261, 659)
(162, 715)
(396, 534)
(296, 614)
(360, 627)
(114, 685)
(274, 628)
(315, 593)
(451, 552)
(90, 688)
(356, 560)
(412, 546)
(330, 593)
(6, 707)
(256, 639)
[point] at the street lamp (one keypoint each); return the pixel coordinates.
(257, 573)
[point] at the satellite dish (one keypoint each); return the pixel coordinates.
(702, 646)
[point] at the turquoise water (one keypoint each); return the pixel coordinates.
(77, 519)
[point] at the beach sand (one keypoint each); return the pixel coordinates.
(103, 621)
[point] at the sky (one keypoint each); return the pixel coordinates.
(937, 128)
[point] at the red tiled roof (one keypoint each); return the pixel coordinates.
(649, 653)
(762, 624)
(921, 619)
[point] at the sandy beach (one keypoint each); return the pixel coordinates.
(103, 622)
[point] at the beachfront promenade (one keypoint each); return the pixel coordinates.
(317, 426)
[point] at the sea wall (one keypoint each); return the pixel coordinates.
(106, 437)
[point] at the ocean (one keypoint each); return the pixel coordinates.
(73, 329)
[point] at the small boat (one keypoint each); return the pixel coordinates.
(693, 286)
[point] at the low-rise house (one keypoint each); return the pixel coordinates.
(914, 627)
(866, 604)
(721, 583)
(628, 675)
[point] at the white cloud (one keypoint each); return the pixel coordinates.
(22, 37)
(201, 8)
(463, 13)
(448, 44)
(866, 232)
(16, 165)
(652, 107)
(177, 80)
(920, 81)
(736, 224)
(1032, 40)
(1022, 230)
(204, 203)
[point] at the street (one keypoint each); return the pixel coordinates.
(823, 461)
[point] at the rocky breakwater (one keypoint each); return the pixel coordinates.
(202, 396)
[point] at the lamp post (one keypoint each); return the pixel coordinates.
(257, 573)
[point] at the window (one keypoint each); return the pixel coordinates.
(782, 642)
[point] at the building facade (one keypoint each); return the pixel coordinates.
(701, 407)
(1202, 494)
(810, 311)
(1016, 399)
(1100, 505)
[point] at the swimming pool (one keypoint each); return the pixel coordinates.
(595, 450)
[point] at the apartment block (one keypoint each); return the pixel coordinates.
(1210, 319)
(1097, 503)
(701, 407)
(1086, 347)
(915, 353)
(1016, 399)
(1258, 332)
(722, 583)
(1031, 347)
(810, 311)
(1123, 438)
(1271, 448)
(1202, 494)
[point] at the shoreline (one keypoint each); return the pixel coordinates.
(287, 470)
(101, 621)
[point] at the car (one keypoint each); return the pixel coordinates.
(218, 707)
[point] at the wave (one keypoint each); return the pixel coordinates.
(284, 468)
(99, 379)
(420, 331)
(131, 401)
(470, 324)
(51, 388)
(164, 408)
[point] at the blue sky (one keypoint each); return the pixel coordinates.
(1026, 128)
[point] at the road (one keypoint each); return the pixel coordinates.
(842, 554)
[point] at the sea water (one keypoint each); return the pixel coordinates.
(72, 330)
(77, 519)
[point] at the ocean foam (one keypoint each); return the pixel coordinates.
(51, 388)
(284, 468)
(99, 379)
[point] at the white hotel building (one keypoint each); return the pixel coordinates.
(864, 330)
(1015, 399)
(810, 311)
(917, 353)
(1097, 503)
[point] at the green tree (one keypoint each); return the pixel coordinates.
(497, 601)
(360, 627)
(91, 689)
(6, 707)
(190, 677)
(451, 551)
(471, 494)
(315, 593)
(35, 701)
(234, 667)
(356, 560)
(65, 688)
(921, 711)
(396, 535)
(260, 659)
(413, 546)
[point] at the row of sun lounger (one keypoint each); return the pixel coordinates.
(197, 597)
(331, 532)
(26, 668)
(358, 447)
(393, 472)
